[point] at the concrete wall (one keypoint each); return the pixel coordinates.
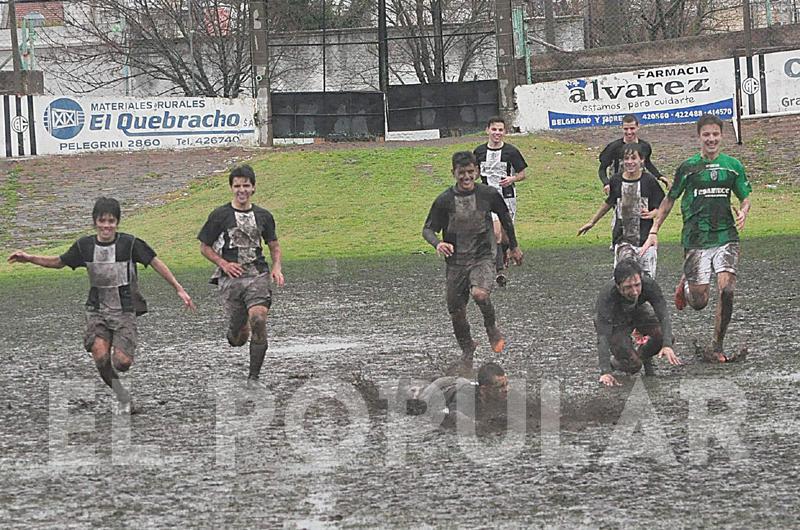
(556, 65)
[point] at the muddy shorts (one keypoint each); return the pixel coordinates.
(118, 328)
(240, 294)
(462, 278)
(647, 262)
(699, 263)
(511, 202)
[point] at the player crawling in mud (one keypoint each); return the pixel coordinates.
(632, 300)
(460, 399)
(710, 234)
(463, 214)
(231, 240)
(114, 302)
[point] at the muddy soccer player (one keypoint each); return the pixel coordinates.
(114, 301)
(501, 167)
(231, 240)
(710, 234)
(463, 214)
(612, 155)
(632, 300)
(635, 196)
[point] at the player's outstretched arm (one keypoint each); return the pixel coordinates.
(604, 208)
(161, 268)
(277, 258)
(50, 262)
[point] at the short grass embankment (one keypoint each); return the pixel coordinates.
(373, 200)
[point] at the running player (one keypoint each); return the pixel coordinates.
(114, 301)
(462, 214)
(231, 240)
(631, 301)
(710, 233)
(635, 195)
(612, 155)
(501, 166)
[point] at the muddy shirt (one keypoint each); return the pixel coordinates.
(613, 310)
(112, 269)
(496, 164)
(611, 157)
(236, 236)
(706, 186)
(628, 197)
(465, 220)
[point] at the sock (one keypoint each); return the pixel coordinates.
(257, 353)
(498, 258)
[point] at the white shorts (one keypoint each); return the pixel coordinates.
(647, 262)
(699, 263)
(511, 202)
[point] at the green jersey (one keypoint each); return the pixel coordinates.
(706, 204)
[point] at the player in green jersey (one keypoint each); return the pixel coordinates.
(710, 234)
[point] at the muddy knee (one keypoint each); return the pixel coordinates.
(121, 361)
(480, 296)
(258, 325)
(726, 295)
(698, 299)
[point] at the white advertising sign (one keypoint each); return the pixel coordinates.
(669, 94)
(65, 125)
(770, 83)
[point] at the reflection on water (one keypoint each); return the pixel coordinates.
(355, 462)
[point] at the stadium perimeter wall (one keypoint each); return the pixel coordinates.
(596, 61)
(764, 84)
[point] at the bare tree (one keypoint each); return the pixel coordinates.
(466, 22)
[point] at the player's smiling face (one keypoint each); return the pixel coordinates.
(106, 226)
(629, 130)
(632, 162)
(242, 190)
(710, 140)
(465, 177)
(496, 132)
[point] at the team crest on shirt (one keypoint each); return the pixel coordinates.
(714, 174)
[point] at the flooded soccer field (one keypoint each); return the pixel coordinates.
(696, 446)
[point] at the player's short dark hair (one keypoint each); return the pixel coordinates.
(464, 158)
(488, 372)
(242, 171)
(708, 119)
(626, 269)
(633, 147)
(495, 119)
(630, 118)
(106, 205)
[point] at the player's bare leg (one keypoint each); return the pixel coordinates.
(101, 354)
(257, 319)
(726, 284)
(484, 303)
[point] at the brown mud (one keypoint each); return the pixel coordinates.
(653, 452)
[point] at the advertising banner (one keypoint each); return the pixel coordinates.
(65, 125)
(670, 94)
(770, 83)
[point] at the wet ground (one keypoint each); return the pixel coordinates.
(652, 453)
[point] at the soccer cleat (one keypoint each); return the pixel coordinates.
(496, 339)
(502, 279)
(680, 295)
(255, 385)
